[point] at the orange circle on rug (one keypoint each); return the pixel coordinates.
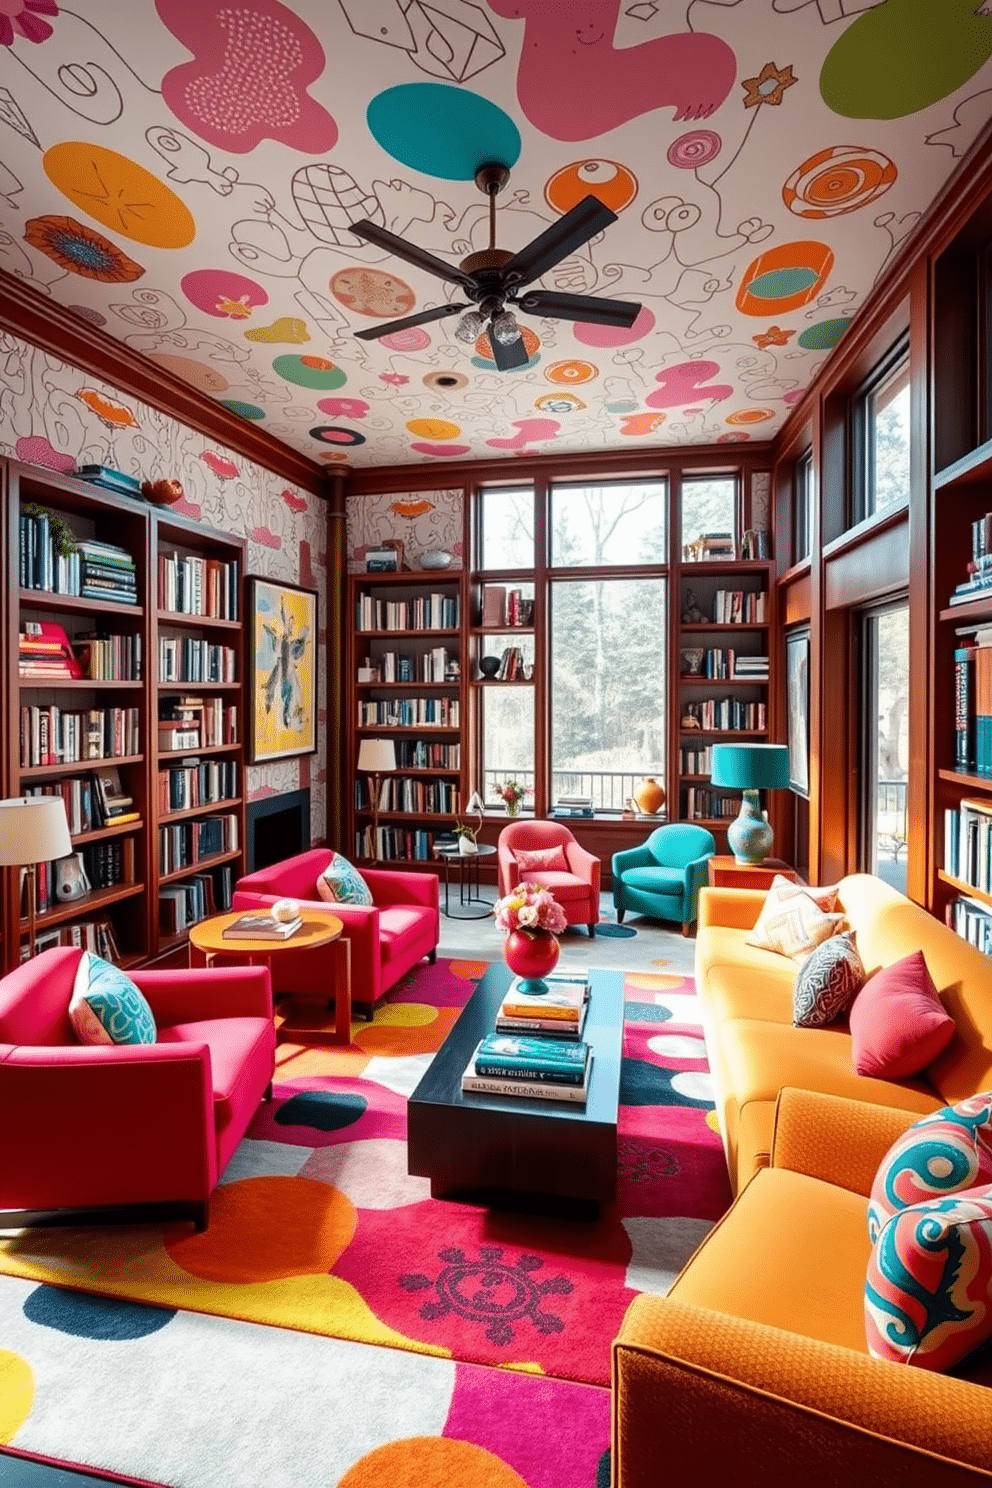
(431, 1462)
(16, 1393)
(262, 1229)
(398, 1039)
(120, 194)
(469, 971)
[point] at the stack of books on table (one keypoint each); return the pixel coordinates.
(559, 1014)
(541, 1068)
(261, 926)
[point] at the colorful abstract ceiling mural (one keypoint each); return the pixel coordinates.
(184, 173)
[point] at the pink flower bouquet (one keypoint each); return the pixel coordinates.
(529, 907)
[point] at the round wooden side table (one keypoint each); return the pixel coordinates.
(317, 930)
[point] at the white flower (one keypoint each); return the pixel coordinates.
(527, 915)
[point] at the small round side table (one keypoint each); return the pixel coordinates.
(317, 930)
(467, 881)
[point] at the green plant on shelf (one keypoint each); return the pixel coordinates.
(62, 535)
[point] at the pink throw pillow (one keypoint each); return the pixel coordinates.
(542, 859)
(898, 1023)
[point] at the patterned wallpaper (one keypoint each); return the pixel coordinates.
(184, 173)
(54, 415)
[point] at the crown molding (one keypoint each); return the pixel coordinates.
(42, 322)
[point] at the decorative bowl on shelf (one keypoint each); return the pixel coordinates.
(436, 558)
(162, 492)
(489, 665)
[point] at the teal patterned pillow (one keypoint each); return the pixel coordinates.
(106, 1006)
(341, 883)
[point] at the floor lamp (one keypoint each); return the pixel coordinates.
(376, 757)
(33, 829)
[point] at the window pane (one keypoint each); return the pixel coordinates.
(507, 522)
(623, 523)
(709, 518)
(887, 657)
(507, 724)
(888, 435)
(608, 687)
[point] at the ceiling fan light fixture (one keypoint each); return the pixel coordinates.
(470, 327)
(504, 328)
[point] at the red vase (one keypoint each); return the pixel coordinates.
(530, 955)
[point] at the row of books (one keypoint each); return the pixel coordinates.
(435, 665)
(434, 611)
(395, 843)
(511, 666)
(43, 650)
(503, 606)
(105, 657)
(401, 793)
(973, 922)
(420, 754)
(196, 723)
(91, 801)
(409, 712)
(39, 565)
(973, 705)
(109, 863)
(701, 804)
(196, 783)
(196, 898)
(968, 842)
(97, 936)
(755, 544)
(696, 761)
(191, 659)
(537, 1050)
(192, 585)
(730, 666)
(719, 714)
(740, 607)
(108, 573)
(53, 736)
(184, 844)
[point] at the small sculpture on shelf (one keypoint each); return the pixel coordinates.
(692, 661)
(691, 613)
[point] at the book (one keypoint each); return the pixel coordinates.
(261, 927)
(554, 1028)
(563, 1001)
(473, 1084)
(964, 709)
(526, 1056)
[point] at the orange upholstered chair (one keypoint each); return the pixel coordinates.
(576, 887)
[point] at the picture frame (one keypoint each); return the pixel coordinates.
(282, 674)
(797, 697)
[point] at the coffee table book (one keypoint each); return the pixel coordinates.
(558, 1028)
(523, 1056)
(261, 927)
(564, 1000)
(551, 1090)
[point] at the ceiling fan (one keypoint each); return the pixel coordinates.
(494, 279)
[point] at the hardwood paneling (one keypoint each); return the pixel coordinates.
(875, 565)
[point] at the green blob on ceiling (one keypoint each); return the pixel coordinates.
(823, 335)
(243, 410)
(441, 131)
(781, 284)
(309, 371)
(901, 57)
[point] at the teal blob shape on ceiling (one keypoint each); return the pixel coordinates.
(309, 372)
(243, 410)
(779, 284)
(823, 335)
(441, 131)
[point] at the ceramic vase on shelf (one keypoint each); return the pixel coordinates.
(649, 796)
(530, 955)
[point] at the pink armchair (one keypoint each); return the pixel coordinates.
(141, 1131)
(387, 938)
(577, 891)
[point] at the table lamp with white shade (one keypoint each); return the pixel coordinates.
(376, 757)
(33, 829)
(750, 768)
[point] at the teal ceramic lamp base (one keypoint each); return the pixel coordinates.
(749, 836)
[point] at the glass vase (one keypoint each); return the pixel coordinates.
(530, 955)
(513, 808)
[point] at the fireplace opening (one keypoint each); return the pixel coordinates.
(277, 827)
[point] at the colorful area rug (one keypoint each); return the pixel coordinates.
(318, 1229)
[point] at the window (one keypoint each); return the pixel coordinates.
(593, 526)
(802, 508)
(881, 477)
(885, 653)
(709, 518)
(506, 527)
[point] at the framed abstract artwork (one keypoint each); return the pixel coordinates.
(797, 682)
(282, 670)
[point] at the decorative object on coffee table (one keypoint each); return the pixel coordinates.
(533, 920)
(750, 768)
(649, 796)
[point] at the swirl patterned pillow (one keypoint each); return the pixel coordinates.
(827, 982)
(941, 1154)
(794, 919)
(106, 1007)
(927, 1292)
(341, 883)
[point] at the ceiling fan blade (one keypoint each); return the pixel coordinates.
(372, 333)
(583, 222)
(508, 354)
(578, 307)
(371, 232)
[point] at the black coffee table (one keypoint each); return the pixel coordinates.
(517, 1153)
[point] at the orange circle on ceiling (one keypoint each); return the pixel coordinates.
(784, 277)
(530, 340)
(608, 181)
(120, 194)
(838, 180)
(434, 429)
(749, 416)
(372, 292)
(320, 364)
(571, 372)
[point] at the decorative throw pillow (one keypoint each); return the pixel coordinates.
(941, 1154)
(928, 1283)
(341, 883)
(106, 1007)
(898, 1023)
(542, 860)
(791, 921)
(827, 982)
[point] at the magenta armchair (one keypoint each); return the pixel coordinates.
(127, 1131)
(577, 891)
(387, 938)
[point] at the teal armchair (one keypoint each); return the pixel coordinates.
(663, 876)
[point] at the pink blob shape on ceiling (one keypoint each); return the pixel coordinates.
(34, 449)
(414, 338)
(529, 431)
(223, 293)
(679, 386)
(603, 335)
(423, 448)
(597, 87)
(355, 408)
(248, 81)
(794, 395)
